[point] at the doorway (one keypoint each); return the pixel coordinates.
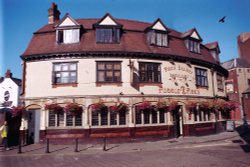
(33, 134)
(177, 120)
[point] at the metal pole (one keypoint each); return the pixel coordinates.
(76, 146)
(47, 148)
(20, 144)
(104, 144)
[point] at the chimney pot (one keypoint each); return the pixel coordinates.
(8, 74)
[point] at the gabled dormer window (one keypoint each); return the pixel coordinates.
(157, 38)
(157, 34)
(107, 35)
(68, 31)
(192, 40)
(68, 36)
(108, 30)
(193, 46)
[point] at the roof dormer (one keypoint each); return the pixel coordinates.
(192, 40)
(157, 34)
(68, 30)
(214, 49)
(108, 30)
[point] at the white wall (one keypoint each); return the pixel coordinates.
(39, 80)
(14, 90)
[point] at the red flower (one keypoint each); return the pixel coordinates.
(73, 108)
(98, 106)
(56, 108)
(191, 105)
(17, 111)
(144, 105)
(172, 105)
(161, 105)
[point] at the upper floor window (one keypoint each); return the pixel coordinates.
(220, 82)
(150, 72)
(68, 36)
(108, 35)
(201, 77)
(157, 38)
(64, 73)
(193, 46)
(108, 71)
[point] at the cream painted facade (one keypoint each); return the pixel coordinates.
(177, 79)
(178, 82)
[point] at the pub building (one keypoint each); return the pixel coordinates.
(121, 78)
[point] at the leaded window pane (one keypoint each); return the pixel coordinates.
(154, 117)
(162, 116)
(108, 71)
(78, 120)
(150, 72)
(122, 118)
(52, 119)
(65, 73)
(95, 119)
(146, 116)
(113, 118)
(138, 119)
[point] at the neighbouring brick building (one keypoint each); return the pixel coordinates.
(244, 46)
(238, 81)
(130, 77)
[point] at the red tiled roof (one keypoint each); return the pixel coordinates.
(134, 40)
(212, 45)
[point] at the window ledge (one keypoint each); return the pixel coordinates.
(64, 85)
(99, 84)
(220, 90)
(142, 84)
(201, 87)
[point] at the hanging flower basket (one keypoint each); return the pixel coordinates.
(17, 111)
(191, 106)
(121, 107)
(162, 105)
(144, 105)
(56, 108)
(204, 105)
(172, 106)
(98, 107)
(73, 109)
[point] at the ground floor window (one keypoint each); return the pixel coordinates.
(63, 119)
(150, 116)
(108, 118)
(202, 115)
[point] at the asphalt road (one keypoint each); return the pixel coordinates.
(217, 154)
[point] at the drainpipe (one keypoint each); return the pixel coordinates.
(214, 97)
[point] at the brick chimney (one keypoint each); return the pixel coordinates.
(244, 46)
(8, 74)
(54, 13)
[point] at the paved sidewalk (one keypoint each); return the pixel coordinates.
(182, 142)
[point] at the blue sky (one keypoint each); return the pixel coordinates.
(20, 18)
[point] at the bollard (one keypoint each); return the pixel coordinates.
(20, 146)
(76, 146)
(104, 144)
(47, 148)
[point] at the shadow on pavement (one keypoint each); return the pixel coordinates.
(244, 133)
(60, 149)
(35, 149)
